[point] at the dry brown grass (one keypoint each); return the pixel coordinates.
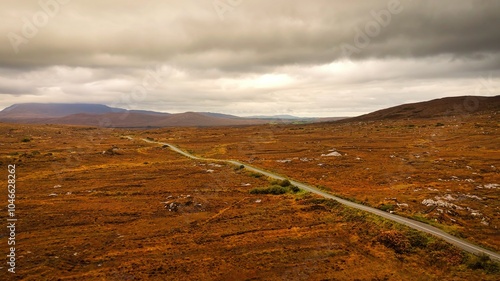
(393, 162)
(108, 221)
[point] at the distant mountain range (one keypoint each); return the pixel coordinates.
(105, 116)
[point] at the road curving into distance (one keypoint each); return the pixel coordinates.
(460, 243)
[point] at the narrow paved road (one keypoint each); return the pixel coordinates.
(460, 243)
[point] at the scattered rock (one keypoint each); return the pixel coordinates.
(473, 197)
(440, 203)
(489, 186)
(332, 154)
(172, 207)
(111, 151)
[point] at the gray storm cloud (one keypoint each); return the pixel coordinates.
(234, 52)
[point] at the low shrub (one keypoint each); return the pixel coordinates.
(293, 188)
(275, 190)
(255, 175)
(237, 168)
(386, 207)
(417, 239)
(395, 240)
(483, 262)
(285, 183)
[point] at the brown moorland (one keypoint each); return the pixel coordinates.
(440, 170)
(92, 204)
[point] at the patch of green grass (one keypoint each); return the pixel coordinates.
(276, 190)
(482, 262)
(255, 175)
(283, 183)
(386, 207)
(417, 238)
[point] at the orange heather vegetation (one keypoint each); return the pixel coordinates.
(94, 205)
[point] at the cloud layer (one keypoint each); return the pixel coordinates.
(310, 58)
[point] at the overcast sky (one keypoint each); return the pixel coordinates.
(248, 57)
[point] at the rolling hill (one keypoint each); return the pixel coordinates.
(53, 110)
(435, 108)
